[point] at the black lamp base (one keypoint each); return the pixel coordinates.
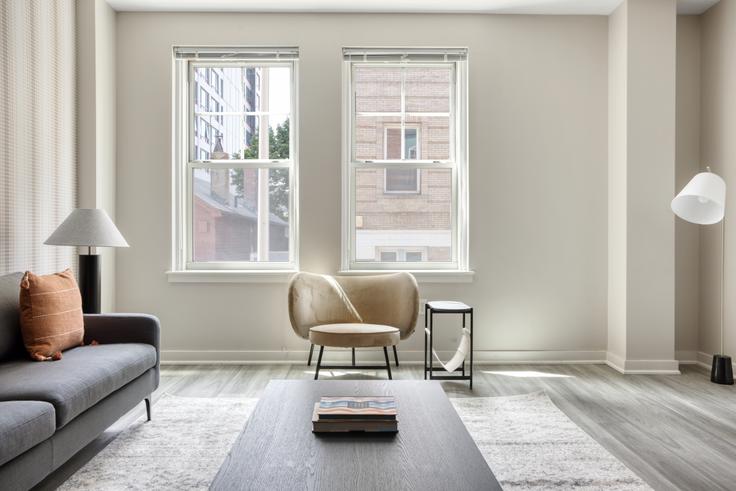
(722, 370)
(89, 282)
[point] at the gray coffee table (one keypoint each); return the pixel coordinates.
(277, 449)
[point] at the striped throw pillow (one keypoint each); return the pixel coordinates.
(51, 317)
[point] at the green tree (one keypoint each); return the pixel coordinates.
(278, 179)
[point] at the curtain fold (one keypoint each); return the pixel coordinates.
(38, 161)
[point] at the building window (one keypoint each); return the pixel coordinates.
(402, 181)
(236, 159)
(405, 159)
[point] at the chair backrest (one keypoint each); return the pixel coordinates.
(11, 342)
(389, 299)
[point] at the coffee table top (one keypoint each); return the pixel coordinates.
(277, 449)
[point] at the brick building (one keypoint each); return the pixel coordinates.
(403, 214)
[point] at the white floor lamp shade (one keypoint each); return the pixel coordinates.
(702, 200)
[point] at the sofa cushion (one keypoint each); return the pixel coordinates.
(85, 376)
(11, 343)
(23, 425)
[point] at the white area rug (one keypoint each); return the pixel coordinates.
(182, 448)
(531, 445)
(527, 441)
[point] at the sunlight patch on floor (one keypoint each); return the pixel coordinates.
(526, 374)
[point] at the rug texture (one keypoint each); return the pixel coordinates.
(531, 445)
(526, 440)
(182, 448)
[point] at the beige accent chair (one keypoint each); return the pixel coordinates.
(374, 311)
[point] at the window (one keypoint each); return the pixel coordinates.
(236, 159)
(405, 159)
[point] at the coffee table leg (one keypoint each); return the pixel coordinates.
(388, 364)
(319, 362)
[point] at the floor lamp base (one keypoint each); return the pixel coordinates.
(722, 370)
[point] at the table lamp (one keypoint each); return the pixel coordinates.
(88, 227)
(703, 201)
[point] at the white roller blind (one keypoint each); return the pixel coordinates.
(224, 53)
(397, 55)
(38, 173)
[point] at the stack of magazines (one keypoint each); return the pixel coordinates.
(343, 414)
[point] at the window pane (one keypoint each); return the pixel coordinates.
(377, 89)
(222, 137)
(416, 226)
(278, 136)
(428, 89)
(372, 136)
(226, 214)
(243, 89)
(222, 91)
(433, 136)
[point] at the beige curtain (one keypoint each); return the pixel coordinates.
(38, 173)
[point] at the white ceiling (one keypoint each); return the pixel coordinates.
(542, 7)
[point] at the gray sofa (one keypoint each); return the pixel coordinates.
(51, 410)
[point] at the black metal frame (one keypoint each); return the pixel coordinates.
(429, 369)
(320, 366)
(148, 408)
(311, 351)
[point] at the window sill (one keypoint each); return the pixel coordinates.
(229, 276)
(422, 276)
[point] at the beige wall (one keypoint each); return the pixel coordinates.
(687, 235)
(642, 75)
(96, 50)
(617, 172)
(718, 149)
(538, 140)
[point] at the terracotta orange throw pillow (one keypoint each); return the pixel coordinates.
(50, 314)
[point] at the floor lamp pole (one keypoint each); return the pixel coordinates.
(721, 371)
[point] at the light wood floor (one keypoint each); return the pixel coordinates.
(676, 432)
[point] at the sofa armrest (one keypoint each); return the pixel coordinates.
(123, 328)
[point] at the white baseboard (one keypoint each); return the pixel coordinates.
(217, 357)
(642, 367)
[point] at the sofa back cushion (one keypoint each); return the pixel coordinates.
(11, 342)
(50, 314)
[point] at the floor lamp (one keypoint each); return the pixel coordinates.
(88, 227)
(703, 201)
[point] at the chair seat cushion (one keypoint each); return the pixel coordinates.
(23, 425)
(354, 335)
(82, 378)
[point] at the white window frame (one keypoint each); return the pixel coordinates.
(458, 161)
(184, 161)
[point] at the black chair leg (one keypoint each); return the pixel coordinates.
(353, 356)
(148, 408)
(311, 350)
(388, 364)
(396, 356)
(319, 362)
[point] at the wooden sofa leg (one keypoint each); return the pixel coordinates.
(319, 362)
(311, 350)
(148, 408)
(396, 356)
(388, 363)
